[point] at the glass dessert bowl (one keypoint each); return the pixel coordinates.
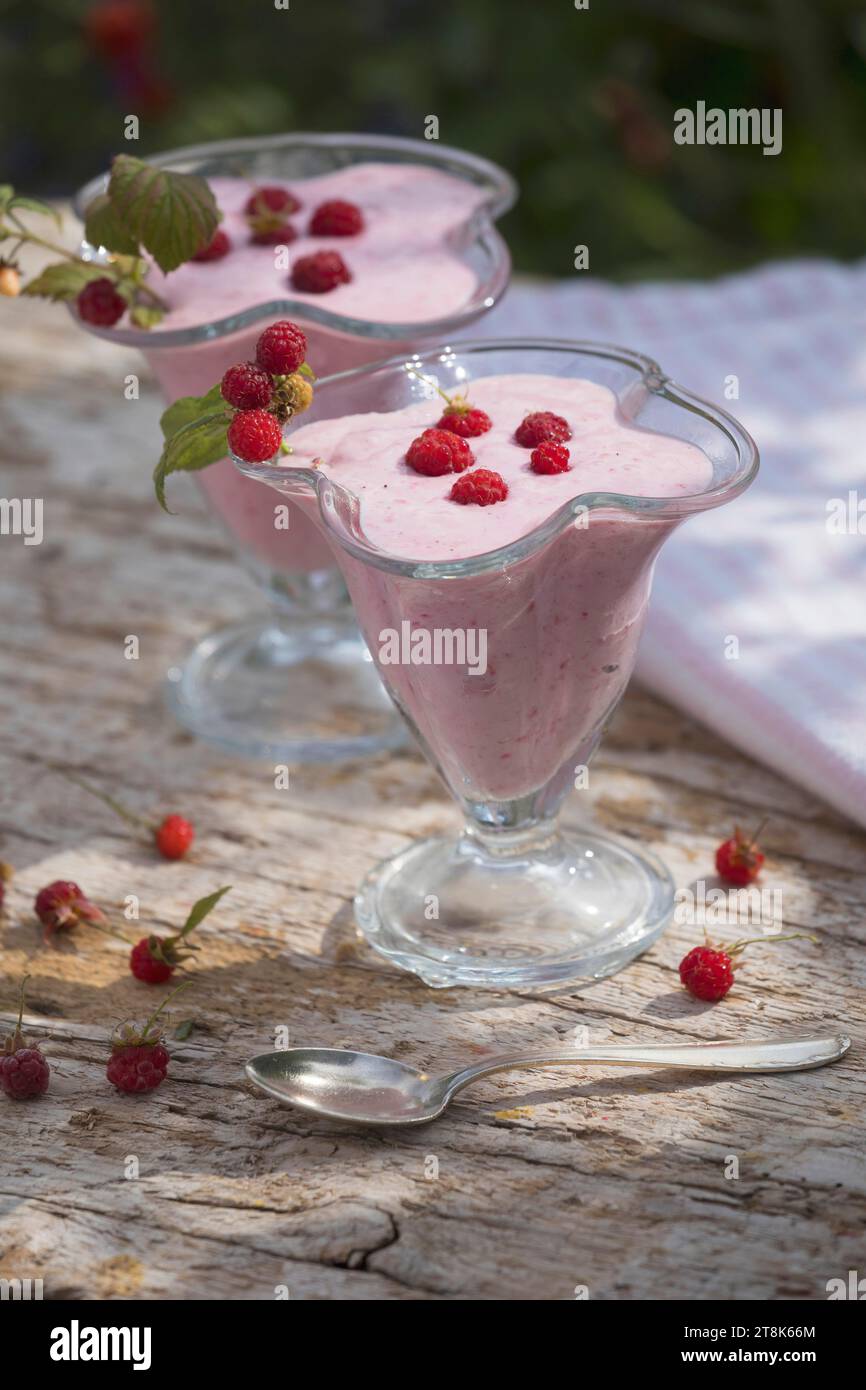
(515, 899)
(296, 682)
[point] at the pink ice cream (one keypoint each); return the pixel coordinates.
(561, 625)
(406, 268)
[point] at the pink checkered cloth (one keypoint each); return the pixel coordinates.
(765, 569)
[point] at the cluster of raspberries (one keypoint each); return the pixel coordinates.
(443, 449)
(267, 212)
(267, 392)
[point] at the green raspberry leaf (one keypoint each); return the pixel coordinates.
(103, 227)
(189, 408)
(184, 1029)
(200, 910)
(65, 280)
(172, 215)
(194, 445)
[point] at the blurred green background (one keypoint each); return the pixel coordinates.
(578, 105)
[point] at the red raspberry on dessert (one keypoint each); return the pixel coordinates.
(319, 273)
(100, 304)
(439, 451)
(281, 348)
(217, 247)
(336, 218)
(482, 486)
(282, 235)
(539, 426)
(254, 435)
(246, 386)
(549, 457)
(267, 213)
(271, 200)
(464, 419)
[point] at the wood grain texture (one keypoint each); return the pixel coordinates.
(609, 1179)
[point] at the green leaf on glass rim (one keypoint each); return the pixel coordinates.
(104, 227)
(189, 408)
(65, 280)
(195, 445)
(146, 316)
(172, 215)
(200, 910)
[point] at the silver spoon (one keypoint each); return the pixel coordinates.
(369, 1090)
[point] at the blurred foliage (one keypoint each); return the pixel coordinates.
(578, 105)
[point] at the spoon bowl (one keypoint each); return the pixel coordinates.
(362, 1088)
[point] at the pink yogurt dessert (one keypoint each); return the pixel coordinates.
(561, 623)
(405, 268)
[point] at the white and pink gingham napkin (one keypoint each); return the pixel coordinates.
(764, 570)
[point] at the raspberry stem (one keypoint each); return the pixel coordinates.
(737, 946)
(184, 984)
(117, 807)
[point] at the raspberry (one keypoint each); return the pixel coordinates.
(319, 273)
(100, 304)
(133, 1069)
(175, 835)
(481, 486)
(739, 860)
(281, 349)
(541, 425)
(10, 280)
(154, 959)
(463, 419)
(146, 965)
(549, 457)
(246, 386)
(254, 435)
(439, 451)
(707, 972)
(336, 218)
(270, 199)
(216, 248)
(280, 235)
(139, 1061)
(267, 211)
(63, 905)
(292, 396)
(24, 1071)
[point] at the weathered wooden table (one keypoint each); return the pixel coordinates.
(615, 1180)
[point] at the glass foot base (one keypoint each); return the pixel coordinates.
(577, 906)
(297, 690)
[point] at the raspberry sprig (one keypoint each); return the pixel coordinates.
(154, 958)
(459, 416)
(244, 413)
(173, 835)
(139, 1059)
(24, 1069)
(708, 971)
(144, 212)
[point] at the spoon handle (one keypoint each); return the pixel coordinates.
(779, 1054)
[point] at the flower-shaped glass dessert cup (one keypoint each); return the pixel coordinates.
(516, 899)
(296, 682)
